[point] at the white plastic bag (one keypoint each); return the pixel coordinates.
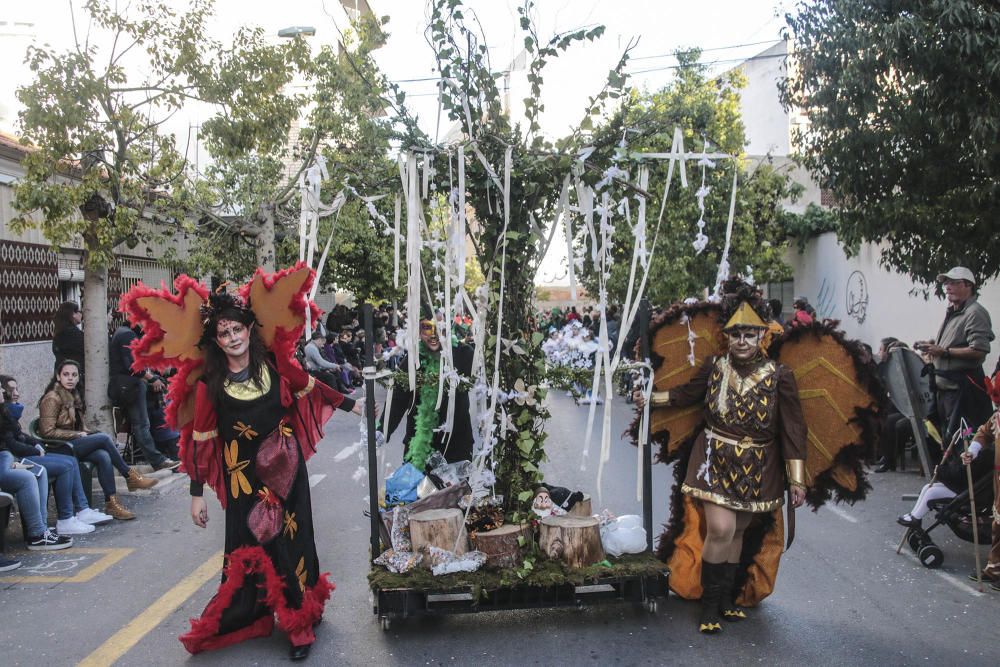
(623, 535)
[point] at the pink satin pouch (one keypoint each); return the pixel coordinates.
(277, 460)
(264, 519)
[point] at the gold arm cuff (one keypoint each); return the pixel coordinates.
(796, 471)
(308, 388)
(659, 398)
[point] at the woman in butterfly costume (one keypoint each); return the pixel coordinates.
(249, 417)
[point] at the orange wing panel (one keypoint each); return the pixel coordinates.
(830, 392)
(672, 343)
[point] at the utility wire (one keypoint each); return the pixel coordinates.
(663, 55)
(672, 54)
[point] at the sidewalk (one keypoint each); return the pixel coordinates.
(167, 480)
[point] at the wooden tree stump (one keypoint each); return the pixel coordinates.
(575, 540)
(440, 528)
(501, 545)
(582, 508)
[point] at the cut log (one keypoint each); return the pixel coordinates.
(440, 528)
(501, 545)
(582, 508)
(575, 540)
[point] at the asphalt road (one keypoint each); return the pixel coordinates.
(843, 597)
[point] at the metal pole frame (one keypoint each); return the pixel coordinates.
(369, 376)
(647, 456)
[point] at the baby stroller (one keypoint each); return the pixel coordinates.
(955, 513)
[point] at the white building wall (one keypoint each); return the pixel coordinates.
(765, 121)
(870, 302)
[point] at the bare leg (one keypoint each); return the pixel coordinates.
(736, 547)
(720, 528)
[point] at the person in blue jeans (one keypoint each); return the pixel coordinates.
(75, 515)
(31, 488)
(61, 418)
(130, 390)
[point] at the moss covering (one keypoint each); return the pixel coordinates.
(544, 573)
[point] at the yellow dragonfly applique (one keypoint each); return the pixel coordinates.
(300, 572)
(291, 525)
(245, 430)
(237, 480)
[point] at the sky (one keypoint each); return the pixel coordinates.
(728, 31)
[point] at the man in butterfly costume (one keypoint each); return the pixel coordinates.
(745, 426)
(249, 418)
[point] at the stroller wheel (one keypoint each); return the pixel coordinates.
(931, 556)
(915, 540)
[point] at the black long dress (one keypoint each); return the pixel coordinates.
(281, 576)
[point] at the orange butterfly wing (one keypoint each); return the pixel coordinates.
(171, 324)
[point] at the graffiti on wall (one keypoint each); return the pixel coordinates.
(857, 297)
(826, 304)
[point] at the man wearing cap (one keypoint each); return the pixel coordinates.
(958, 352)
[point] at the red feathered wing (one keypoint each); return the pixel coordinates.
(279, 301)
(171, 324)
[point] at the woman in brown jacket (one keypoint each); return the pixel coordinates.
(61, 418)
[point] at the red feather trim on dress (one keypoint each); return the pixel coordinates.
(241, 563)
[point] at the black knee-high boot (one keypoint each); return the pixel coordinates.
(712, 583)
(728, 608)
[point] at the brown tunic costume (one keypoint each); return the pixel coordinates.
(986, 435)
(754, 426)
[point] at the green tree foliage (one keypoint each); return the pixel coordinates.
(904, 111)
(361, 255)
(256, 167)
(98, 148)
(706, 109)
(539, 166)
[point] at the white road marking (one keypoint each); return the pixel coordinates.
(843, 514)
(316, 479)
(950, 578)
(348, 451)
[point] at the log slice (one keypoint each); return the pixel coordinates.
(501, 544)
(575, 540)
(440, 528)
(582, 508)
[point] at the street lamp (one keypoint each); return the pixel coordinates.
(295, 30)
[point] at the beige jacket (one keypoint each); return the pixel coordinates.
(60, 415)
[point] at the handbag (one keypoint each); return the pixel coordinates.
(264, 520)
(278, 459)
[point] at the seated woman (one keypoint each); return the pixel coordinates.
(32, 493)
(75, 515)
(61, 418)
(951, 480)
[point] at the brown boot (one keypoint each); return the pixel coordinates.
(137, 481)
(117, 510)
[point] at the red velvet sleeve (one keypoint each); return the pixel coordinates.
(200, 447)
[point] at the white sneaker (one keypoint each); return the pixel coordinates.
(93, 517)
(73, 526)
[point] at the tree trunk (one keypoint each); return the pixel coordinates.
(439, 528)
(95, 336)
(265, 241)
(582, 508)
(501, 545)
(574, 540)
